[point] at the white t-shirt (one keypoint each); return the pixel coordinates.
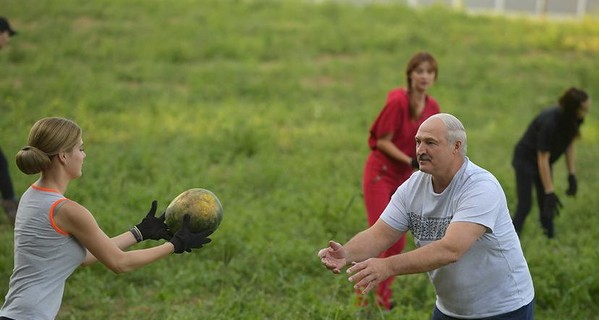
(492, 277)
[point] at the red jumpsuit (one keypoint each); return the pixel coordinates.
(383, 175)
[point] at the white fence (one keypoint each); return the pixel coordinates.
(563, 8)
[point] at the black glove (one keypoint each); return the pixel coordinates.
(151, 227)
(415, 164)
(572, 185)
(551, 205)
(185, 240)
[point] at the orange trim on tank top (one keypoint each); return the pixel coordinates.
(44, 189)
(51, 215)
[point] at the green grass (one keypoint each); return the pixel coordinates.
(268, 104)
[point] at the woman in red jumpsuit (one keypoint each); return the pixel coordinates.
(392, 158)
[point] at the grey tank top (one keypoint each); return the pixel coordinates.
(44, 257)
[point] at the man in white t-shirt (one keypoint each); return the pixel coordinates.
(457, 213)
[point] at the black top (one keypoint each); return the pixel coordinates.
(549, 131)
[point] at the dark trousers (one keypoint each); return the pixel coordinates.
(6, 188)
(525, 179)
(526, 312)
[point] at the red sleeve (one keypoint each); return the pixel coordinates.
(390, 118)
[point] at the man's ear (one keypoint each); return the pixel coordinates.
(457, 146)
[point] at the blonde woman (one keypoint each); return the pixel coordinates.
(54, 235)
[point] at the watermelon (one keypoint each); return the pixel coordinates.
(203, 207)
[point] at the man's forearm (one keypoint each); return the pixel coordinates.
(423, 259)
(371, 242)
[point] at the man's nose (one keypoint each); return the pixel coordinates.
(419, 148)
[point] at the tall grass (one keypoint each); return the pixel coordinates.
(268, 104)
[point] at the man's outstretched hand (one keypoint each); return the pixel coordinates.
(369, 273)
(333, 257)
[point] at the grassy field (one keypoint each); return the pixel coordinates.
(268, 104)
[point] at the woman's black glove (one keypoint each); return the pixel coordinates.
(151, 227)
(185, 240)
(551, 205)
(415, 164)
(572, 185)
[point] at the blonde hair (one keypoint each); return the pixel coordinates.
(47, 138)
